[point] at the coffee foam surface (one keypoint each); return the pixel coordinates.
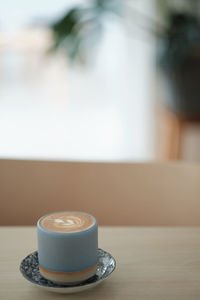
(67, 221)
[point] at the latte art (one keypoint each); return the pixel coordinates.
(67, 221)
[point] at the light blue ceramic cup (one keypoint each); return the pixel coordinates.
(67, 257)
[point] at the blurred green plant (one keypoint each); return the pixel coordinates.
(181, 37)
(80, 29)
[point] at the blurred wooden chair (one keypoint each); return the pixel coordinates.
(116, 193)
(175, 128)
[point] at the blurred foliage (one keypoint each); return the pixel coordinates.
(79, 30)
(81, 27)
(180, 39)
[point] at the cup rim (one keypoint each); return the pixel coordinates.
(66, 233)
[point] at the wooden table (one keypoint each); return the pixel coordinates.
(152, 263)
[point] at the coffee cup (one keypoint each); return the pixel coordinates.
(67, 246)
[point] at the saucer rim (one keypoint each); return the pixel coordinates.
(65, 287)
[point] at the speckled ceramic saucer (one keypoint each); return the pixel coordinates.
(30, 270)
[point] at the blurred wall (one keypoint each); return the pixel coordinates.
(116, 193)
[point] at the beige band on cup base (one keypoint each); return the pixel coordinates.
(68, 277)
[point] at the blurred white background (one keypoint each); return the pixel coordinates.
(50, 110)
